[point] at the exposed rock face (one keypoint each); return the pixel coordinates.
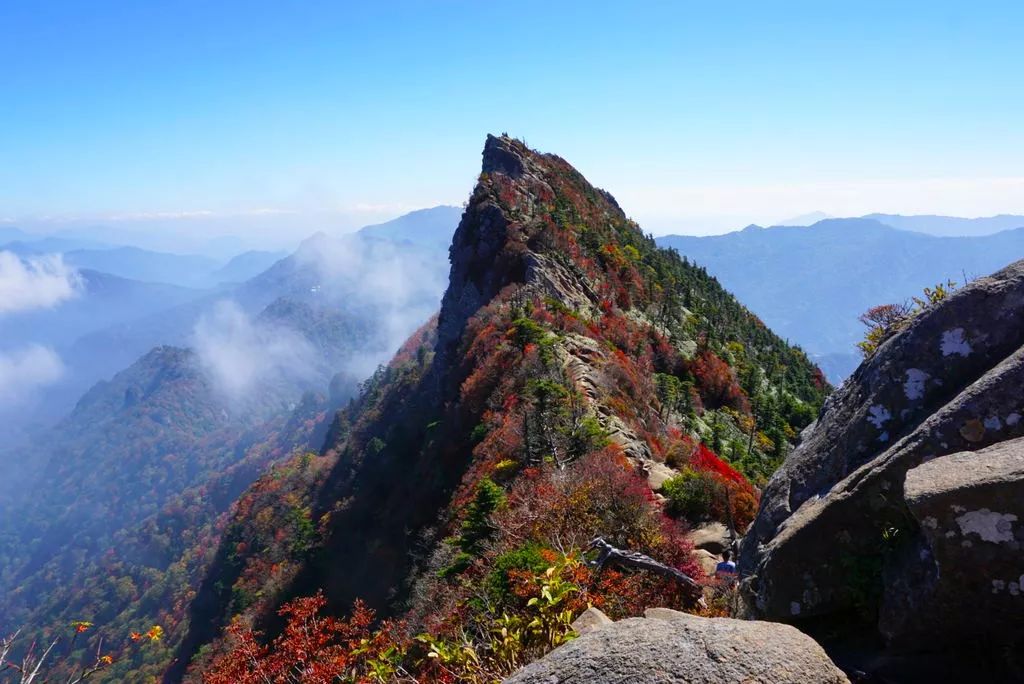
(713, 537)
(970, 509)
(670, 647)
(708, 561)
(590, 620)
(492, 249)
(837, 512)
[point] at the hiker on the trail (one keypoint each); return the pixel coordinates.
(726, 569)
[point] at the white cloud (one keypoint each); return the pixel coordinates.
(241, 355)
(402, 286)
(25, 370)
(36, 282)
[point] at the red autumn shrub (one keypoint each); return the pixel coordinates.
(314, 649)
(717, 382)
(705, 459)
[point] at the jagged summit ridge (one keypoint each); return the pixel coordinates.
(506, 233)
(503, 155)
(540, 374)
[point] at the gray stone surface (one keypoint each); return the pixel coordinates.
(712, 537)
(589, 620)
(658, 474)
(967, 578)
(676, 648)
(708, 561)
(950, 382)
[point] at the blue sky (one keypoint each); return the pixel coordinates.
(275, 116)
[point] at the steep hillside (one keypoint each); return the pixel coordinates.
(100, 300)
(119, 507)
(854, 264)
(573, 368)
(111, 453)
(118, 526)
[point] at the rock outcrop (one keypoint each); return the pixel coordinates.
(970, 510)
(589, 620)
(493, 248)
(672, 647)
(842, 513)
(713, 537)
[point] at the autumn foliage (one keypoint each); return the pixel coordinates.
(313, 649)
(535, 435)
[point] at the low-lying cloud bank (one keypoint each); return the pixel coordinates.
(25, 370)
(242, 356)
(36, 282)
(402, 284)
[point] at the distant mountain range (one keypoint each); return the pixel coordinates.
(931, 224)
(951, 226)
(805, 219)
(810, 284)
(246, 265)
(131, 300)
(185, 270)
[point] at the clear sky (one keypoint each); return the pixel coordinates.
(698, 116)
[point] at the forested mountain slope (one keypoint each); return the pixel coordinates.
(118, 507)
(574, 367)
(119, 522)
(810, 284)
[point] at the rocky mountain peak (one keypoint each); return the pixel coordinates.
(507, 232)
(504, 155)
(570, 354)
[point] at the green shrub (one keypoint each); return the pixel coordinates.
(690, 494)
(477, 526)
(526, 557)
(528, 331)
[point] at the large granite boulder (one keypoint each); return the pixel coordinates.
(835, 518)
(968, 579)
(671, 647)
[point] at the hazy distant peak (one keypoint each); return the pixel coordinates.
(805, 219)
(431, 227)
(847, 224)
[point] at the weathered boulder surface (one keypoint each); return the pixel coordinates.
(970, 509)
(834, 518)
(707, 560)
(713, 537)
(589, 620)
(669, 647)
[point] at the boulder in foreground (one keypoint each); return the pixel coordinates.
(670, 647)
